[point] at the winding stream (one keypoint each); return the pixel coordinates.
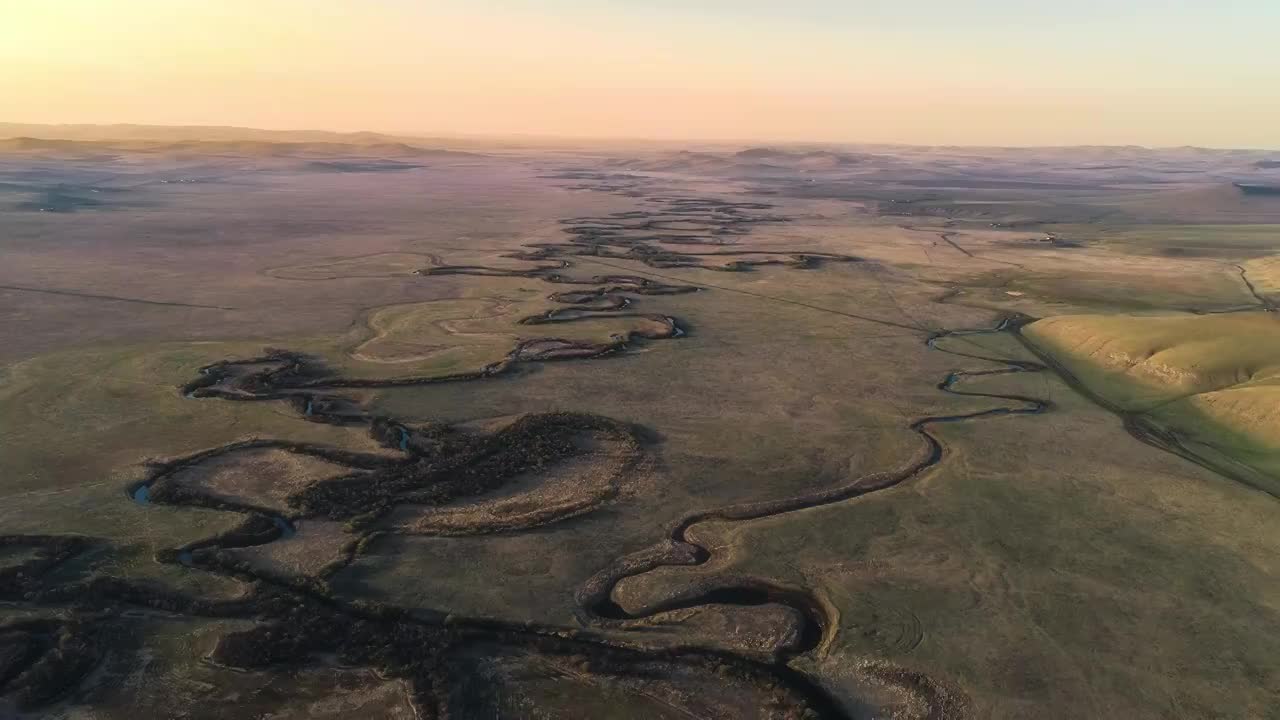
(596, 596)
(294, 617)
(284, 376)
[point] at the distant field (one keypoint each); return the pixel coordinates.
(1210, 241)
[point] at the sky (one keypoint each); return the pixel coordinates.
(983, 72)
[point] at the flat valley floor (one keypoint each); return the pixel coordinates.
(323, 431)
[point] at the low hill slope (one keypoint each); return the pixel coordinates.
(1211, 380)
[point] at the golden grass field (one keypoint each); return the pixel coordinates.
(1211, 378)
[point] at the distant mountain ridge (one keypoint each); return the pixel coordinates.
(365, 145)
(25, 137)
(197, 133)
(209, 133)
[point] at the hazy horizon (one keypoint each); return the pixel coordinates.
(990, 74)
(550, 138)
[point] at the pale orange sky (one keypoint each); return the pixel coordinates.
(993, 72)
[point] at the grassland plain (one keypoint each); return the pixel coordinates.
(1044, 563)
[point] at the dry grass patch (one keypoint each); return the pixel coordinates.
(313, 545)
(262, 477)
